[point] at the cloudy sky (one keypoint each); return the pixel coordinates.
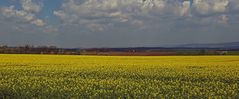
(118, 23)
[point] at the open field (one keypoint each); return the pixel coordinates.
(52, 76)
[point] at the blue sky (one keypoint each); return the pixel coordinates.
(117, 23)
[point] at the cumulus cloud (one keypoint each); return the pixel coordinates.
(38, 22)
(103, 13)
(100, 13)
(21, 15)
(210, 6)
(124, 22)
(26, 14)
(185, 9)
(30, 6)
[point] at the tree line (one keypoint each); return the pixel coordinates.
(29, 49)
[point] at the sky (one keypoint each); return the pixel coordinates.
(117, 23)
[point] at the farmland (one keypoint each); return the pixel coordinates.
(54, 76)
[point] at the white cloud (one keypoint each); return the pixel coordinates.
(220, 5)
(103, 12)
(21, 15)
(30, 6)
(211, 6)
(38, 22)
(123, 22)
(185, 9)
(8, 12)
(26, 14)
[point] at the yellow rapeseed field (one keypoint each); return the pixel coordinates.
(54, 76)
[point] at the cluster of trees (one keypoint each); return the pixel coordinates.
(155, 51)
(28, 49)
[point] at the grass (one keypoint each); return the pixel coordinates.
(53, 76)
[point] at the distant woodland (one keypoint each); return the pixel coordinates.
(138, 51)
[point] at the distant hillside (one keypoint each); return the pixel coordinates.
(186, 49)
(228, 45)
(214, 46)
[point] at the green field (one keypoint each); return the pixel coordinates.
(52, 76)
